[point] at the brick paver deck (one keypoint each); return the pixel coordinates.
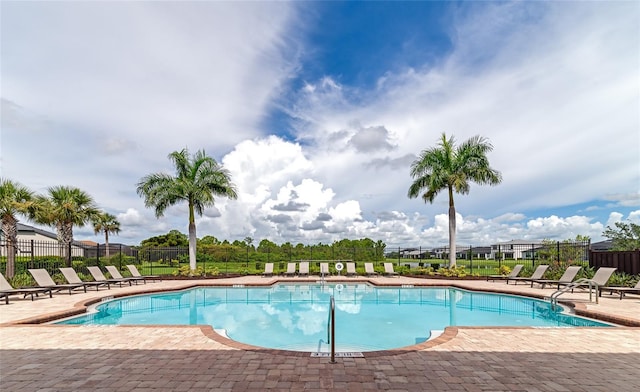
(45, 357)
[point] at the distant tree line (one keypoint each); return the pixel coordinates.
(210, 248)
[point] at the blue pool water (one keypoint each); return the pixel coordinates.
(295, 317)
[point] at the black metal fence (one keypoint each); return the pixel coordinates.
(234, 259)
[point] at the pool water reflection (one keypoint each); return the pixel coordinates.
(294, 317)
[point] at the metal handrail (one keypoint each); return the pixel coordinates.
(578, 283)
(331, 329)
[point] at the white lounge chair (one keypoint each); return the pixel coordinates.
(136, 274)
(567, 277)
(6, 290)
(621, 290)
(599, 280)
(368, 268)
(351, 269)
(537, 274)
(97, 274)
(514, 272)
(324, 269)
(268, 269)
(304, 269)
(115, 274)
(72, 277)
(388, 269)
(291, 269)
(43, 279)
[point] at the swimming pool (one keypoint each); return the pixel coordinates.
(295, 317)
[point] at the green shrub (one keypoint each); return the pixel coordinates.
(504, 270)
(622, 279)
(185, 270)
(22, 279)
(457, 272)
(425, 271)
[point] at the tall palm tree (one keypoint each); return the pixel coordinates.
(446, 167)
(15, 199)
(198, 179)
(107, 224)
(63, 207)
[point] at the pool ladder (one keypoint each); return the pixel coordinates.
(331, 329)
(573, 285)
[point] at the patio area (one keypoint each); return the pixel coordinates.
(44, 357)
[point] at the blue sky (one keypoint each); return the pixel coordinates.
(318, 108)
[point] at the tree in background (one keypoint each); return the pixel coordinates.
(567, 251)
(451, 169)
(172, 238)
(198, 179)
(107, 224)
(64, 207)
(15, 200)
(625, 236)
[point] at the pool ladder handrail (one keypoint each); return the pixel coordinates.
(331, 328)
(553, 298)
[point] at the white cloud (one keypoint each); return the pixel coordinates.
(553, 86)
(530, 78)
(131, 217)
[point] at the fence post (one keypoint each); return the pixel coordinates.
(471, 259)
(533, 258)
(33, 260)
(558, 249)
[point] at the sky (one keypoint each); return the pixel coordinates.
(318, 109)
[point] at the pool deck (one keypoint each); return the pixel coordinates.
(45, 357)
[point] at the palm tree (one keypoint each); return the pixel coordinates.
(15, 199)
(64, 207)
(107, 224)
(446, 167)
(197, 180)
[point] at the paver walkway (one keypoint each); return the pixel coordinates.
(129, 358)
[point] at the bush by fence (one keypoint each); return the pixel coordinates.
(234, 259)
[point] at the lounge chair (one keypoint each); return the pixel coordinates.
(97, 274)
(599, 280)
(304, 269)
(291, 269)
(567, 277)
(115, 274)
(514, 273)
(43, 279)
(368, 268)
(136, 274)
(324, 269)
(6, 290)
(621, 289)
(351, 269)
(537, 274)
(72, 277)
(388, 269)
(268, 269)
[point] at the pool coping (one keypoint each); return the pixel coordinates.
(81, 307)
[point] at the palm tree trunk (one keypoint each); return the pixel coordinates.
(192, 239)
(452, 231)
(452, 237)
(10, 230)
(192, 246)
(106, 243)
(65, 237)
